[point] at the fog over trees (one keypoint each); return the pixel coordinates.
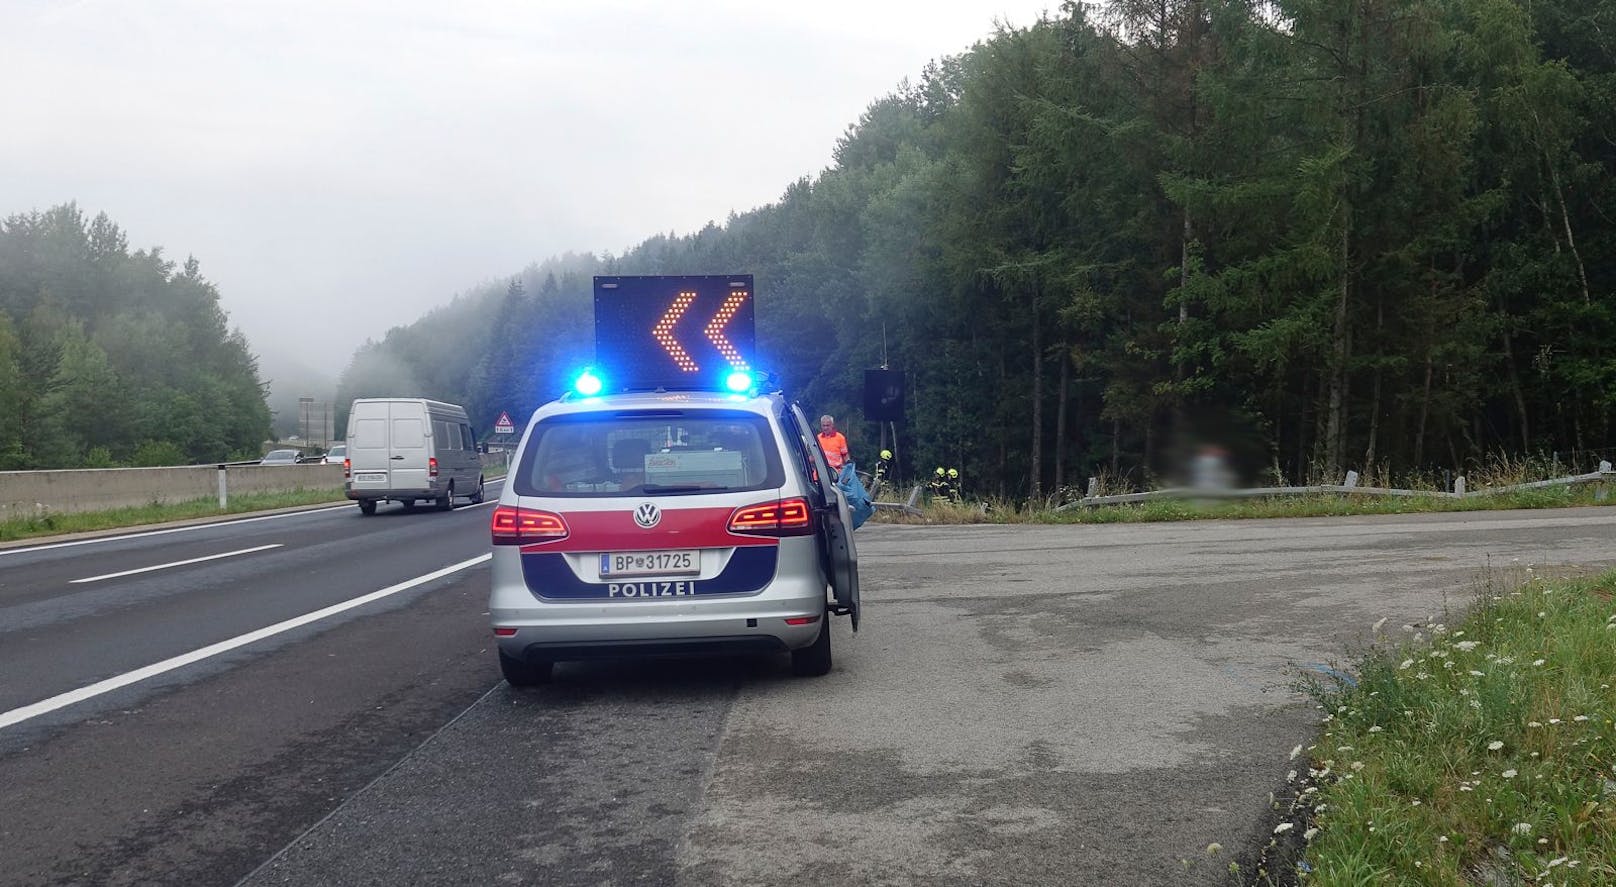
(1373, 235)
(110, 357)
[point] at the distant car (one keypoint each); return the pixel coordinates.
(279, 457)
(336, 454)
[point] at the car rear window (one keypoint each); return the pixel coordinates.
(652, 453)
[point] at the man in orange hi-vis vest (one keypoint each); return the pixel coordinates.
(832, 442)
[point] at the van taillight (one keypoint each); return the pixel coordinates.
(432, 466)
(783, 517)
(519, 526)
(347, 468)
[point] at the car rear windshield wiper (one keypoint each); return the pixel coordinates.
(679, 488)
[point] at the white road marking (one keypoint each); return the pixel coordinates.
(185, 529)
(194, 560)
(62, 700)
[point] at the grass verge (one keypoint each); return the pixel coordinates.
(1483, 755)
(1324, 505)
(55, 524)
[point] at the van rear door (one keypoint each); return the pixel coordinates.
(407, 452)
(368, 451)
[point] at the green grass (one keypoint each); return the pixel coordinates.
(57, 523)
(1323, 505)
(1485, 753)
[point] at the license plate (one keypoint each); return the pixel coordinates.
(370, 477)
(650, 563)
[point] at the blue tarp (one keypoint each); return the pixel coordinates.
(858, 500)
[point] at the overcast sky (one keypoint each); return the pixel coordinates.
(339, 167)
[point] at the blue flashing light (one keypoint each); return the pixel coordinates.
(588, 384)
(738, 381)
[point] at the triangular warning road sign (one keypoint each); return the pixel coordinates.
(504, 425)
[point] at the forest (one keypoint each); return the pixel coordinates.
(115, 358)
(1325, 234)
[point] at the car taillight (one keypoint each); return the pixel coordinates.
(520, 526)
(432, 466)
(783, 517)
(347, 468)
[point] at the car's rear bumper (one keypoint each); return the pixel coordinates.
(379, 495)
(561, 630)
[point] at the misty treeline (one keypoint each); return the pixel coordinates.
(1328, 234)
(110, 357)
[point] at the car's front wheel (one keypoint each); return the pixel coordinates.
(521, 673)
(367, 506)
(814, 660)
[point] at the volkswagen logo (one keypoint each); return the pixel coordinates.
(647, 515)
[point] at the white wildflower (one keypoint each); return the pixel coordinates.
(1554, 720)
(1495, 745)
(1291, 776)
(1475, 673)
(1442, 839)
(1357, 765)
(1214, 848)
(1295, 751)
(1580, 718)
(1467, 646)
(1533, 724)
(1406, 663)
(1558, 861)
(1377, 626)
(1521, 828)
(1310, 833)
(1376, 728)
(1539, 661)
(1283, 827)
(1508, 774)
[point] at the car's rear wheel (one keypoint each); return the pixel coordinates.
(446, 501)
(477, 494)
(521, 673)
(814, 660)
(367, 506)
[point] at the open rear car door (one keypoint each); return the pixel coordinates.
(837, 553)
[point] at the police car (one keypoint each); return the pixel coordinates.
(648, 512)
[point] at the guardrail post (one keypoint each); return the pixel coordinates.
(1352, 479)
(224, 495)
(1459, 486)
(1602, 491)
(1094, 487)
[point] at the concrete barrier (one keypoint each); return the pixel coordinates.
(27, 493)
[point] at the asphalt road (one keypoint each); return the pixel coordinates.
(1025, 705)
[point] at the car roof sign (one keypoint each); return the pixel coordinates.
(673, 332)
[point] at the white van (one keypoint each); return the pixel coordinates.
(407, 449)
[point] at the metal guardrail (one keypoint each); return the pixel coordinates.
(910, 507)
(1605, 474)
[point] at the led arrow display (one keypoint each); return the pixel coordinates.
(673, 332)
(664, 332)
(715, 329)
